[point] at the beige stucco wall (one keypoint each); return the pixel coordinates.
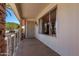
(66, 41)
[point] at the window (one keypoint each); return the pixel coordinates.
(47, 23)
(53, 22)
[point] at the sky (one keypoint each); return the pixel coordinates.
(10, 17)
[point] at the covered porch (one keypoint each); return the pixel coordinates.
(27, 45)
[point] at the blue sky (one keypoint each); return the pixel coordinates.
(11, 16)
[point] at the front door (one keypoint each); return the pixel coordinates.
(30, 29)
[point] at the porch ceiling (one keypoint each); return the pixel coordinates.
(31, 10)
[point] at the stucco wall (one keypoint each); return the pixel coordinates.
(66, 41)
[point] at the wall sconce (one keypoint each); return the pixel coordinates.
(36, 23)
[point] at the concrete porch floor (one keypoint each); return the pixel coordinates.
(33, 47)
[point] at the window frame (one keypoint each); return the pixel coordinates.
(53, 10)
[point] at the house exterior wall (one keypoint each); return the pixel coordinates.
(67, 30)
